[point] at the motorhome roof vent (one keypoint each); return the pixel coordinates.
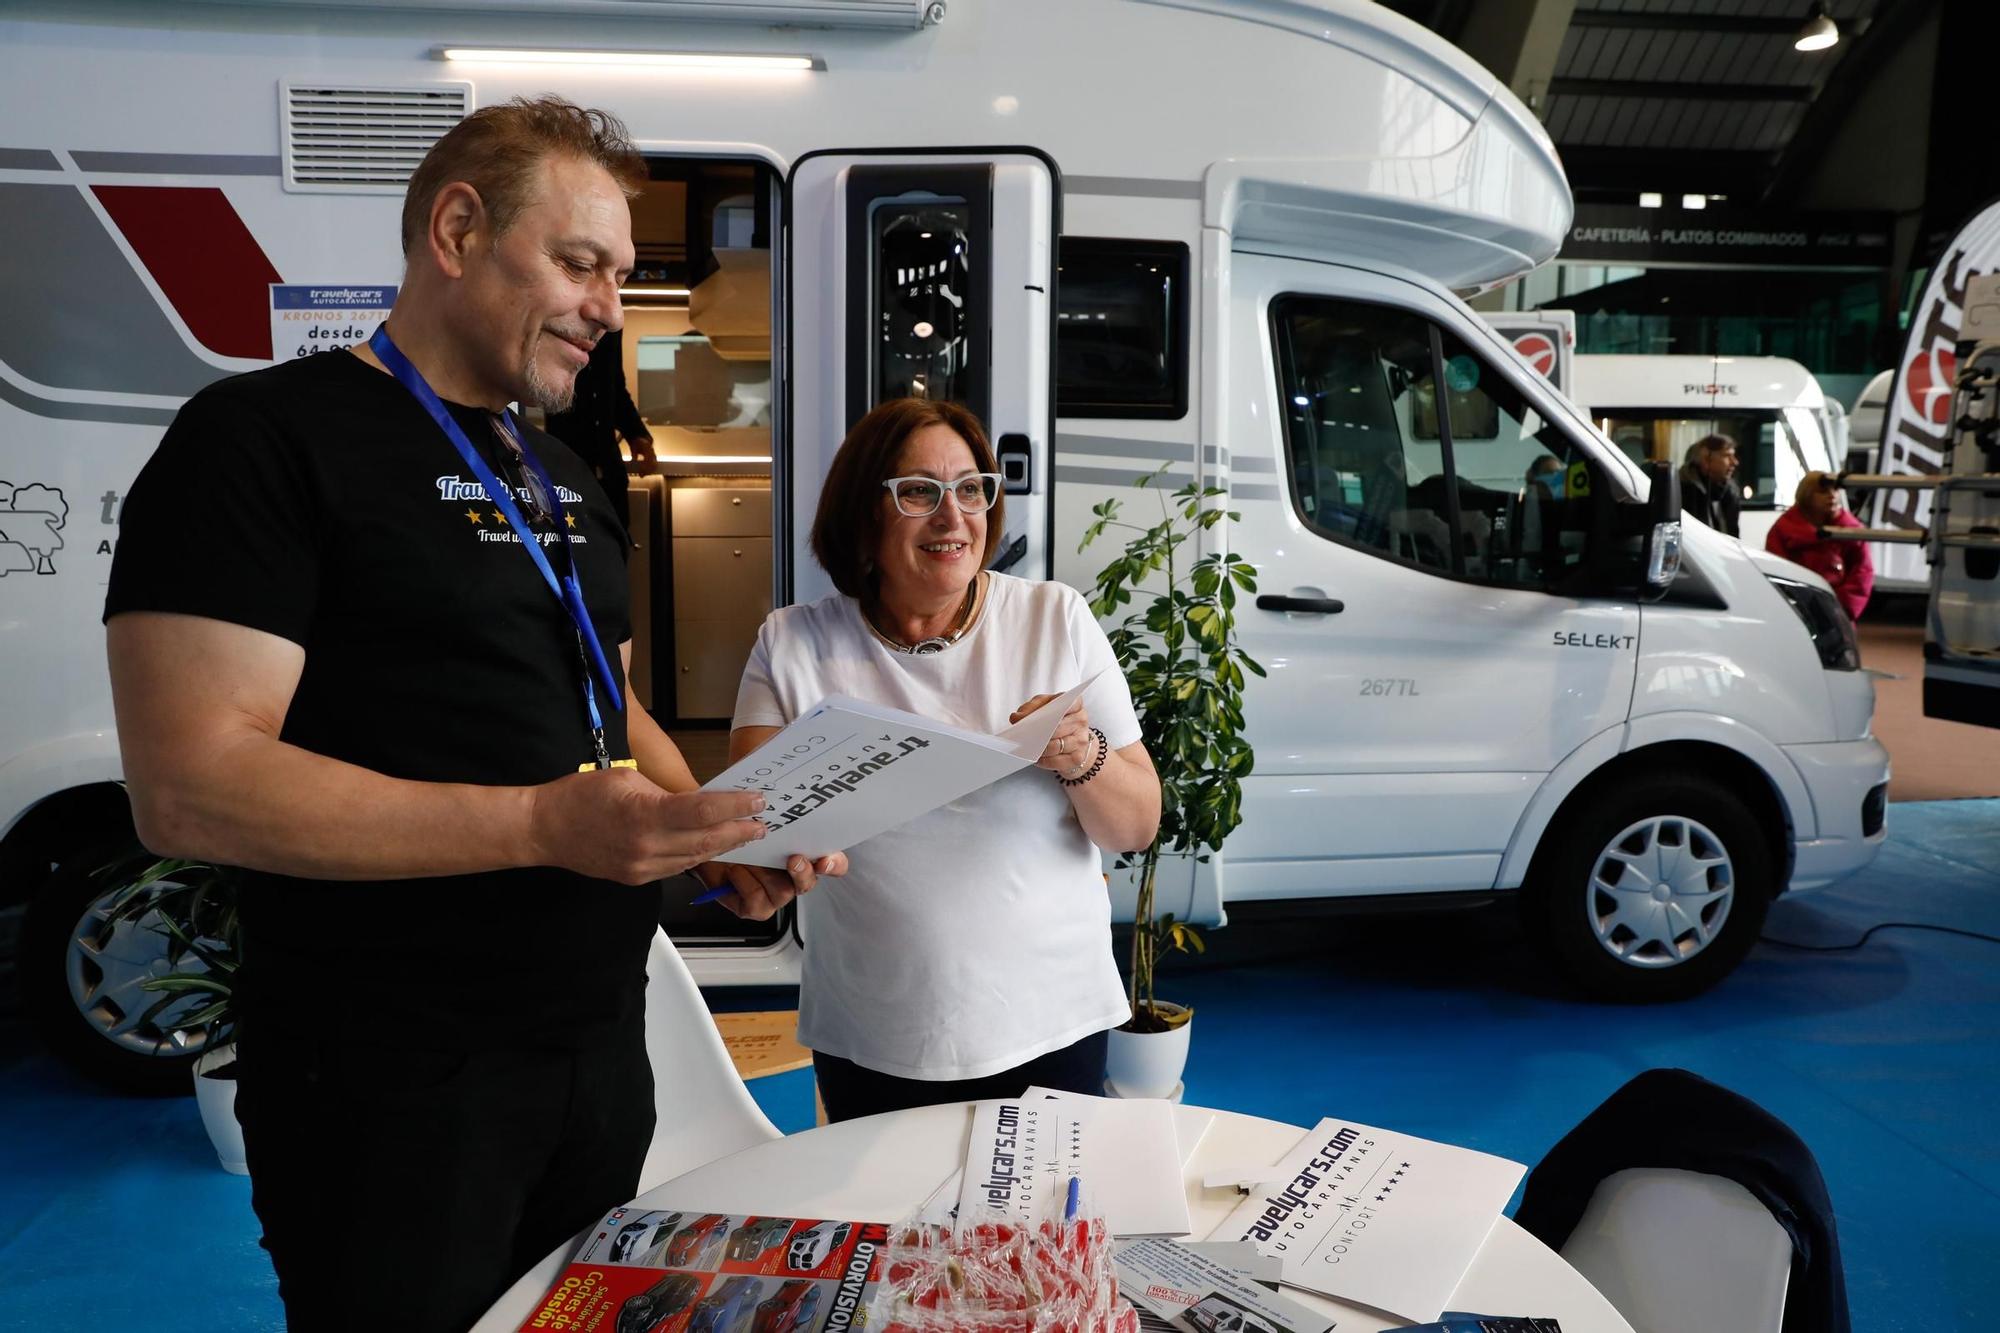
(364, 140)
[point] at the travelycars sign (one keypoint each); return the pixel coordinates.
(1916, 429)
(1615, 234)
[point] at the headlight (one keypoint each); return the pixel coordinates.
(1825, 620)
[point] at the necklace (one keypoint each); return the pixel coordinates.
(936, 643)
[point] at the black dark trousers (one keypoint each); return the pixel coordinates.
(849, 1091)
(412, 1187)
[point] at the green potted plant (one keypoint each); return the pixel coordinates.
(1178, 647)
(194, 906)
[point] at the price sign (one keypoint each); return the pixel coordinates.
(305, 320)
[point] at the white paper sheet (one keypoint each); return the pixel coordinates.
(1376, 1217)
(847, 770)
(1132, 1161)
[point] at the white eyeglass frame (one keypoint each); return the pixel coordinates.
(995, 483)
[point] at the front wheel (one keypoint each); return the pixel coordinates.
(1652, 889)
(83, 974)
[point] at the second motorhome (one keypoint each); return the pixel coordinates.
(1654, 407)
(1230, 236)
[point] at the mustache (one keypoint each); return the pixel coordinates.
(585, 334)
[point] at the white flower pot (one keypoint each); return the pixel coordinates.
(217, 1098)
(1147, 1064)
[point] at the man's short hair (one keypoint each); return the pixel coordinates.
(847, 528)
(498, 150)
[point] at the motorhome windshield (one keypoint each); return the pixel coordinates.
(1666, 433)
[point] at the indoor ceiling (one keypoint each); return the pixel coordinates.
(1706, 95)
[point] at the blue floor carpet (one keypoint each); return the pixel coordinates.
(1885, 1059)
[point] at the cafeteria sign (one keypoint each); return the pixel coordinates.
(305, 320)
(1618, 234)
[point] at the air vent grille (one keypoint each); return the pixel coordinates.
(364, 140)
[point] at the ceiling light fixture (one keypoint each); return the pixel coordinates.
(1650, 199)
(1694, 201)
(1819, 32)
(693, 60)
(654, 291)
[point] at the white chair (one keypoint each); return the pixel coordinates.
(1679, 1250)
(704, 1111)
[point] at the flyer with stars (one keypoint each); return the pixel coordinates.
(1375, 1217)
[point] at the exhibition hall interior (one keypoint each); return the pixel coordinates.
(999, 666)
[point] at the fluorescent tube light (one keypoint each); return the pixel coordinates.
(1694, 201)
(708, 60)
(655, 291)
(1650, 199)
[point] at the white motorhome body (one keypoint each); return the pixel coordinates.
(1452, 672)
(1656, 406)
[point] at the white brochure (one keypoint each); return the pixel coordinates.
(1019, 1161)
(1197, 1294)
(847, 770)
(1375, 1217)
(1134, 1161)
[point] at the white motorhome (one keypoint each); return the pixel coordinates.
(1226, 235)
(1656, 406)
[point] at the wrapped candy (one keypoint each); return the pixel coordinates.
(994, 1275)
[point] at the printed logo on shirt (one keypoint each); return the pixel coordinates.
(490, 524)
(31, 523)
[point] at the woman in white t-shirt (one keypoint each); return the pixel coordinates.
(966, 954)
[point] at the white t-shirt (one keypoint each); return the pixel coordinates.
(978, 936)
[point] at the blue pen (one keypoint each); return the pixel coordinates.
(710, 896)
(1075, 1191)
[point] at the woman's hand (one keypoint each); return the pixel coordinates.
(757, 893)
(1072, 749)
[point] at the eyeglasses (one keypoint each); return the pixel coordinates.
(919, 497)
(521, 478)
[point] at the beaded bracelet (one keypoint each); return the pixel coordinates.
(1096, 765)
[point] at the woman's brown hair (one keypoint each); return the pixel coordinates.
(847, 528)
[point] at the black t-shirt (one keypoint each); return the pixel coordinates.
(318, 501)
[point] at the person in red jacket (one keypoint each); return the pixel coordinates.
(1796, 536)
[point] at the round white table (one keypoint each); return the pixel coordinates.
(878, 1169)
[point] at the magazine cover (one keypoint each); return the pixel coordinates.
(690, 1272)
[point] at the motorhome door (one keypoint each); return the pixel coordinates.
(927, 275)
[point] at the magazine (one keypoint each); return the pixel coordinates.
(660, 1271)
(845, 771)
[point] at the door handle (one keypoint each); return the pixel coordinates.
(1322, 606)
(1016, 455)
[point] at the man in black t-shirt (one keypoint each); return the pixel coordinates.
(337, 665)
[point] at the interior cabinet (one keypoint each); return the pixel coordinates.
(719, 545)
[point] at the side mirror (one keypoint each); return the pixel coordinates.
(1662, 557)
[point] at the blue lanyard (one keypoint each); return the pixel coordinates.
(568, 589)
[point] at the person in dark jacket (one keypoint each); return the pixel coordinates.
(602, 411)
(1708, 489)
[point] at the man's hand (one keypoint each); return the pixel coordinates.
(617, 825)
(756, 893)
